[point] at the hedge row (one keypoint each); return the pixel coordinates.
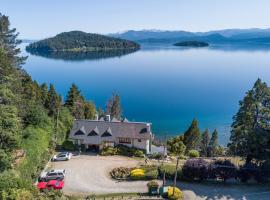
(197, 170)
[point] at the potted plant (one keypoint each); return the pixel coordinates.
(153, 187)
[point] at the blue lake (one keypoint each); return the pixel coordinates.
(166, 86)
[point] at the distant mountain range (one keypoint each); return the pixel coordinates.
(247, 36)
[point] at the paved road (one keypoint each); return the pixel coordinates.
(88, 174)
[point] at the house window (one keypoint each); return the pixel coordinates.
(125, 140)
(139, 140)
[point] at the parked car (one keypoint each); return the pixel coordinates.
(62, 156)
(53, 184)
(55, 174)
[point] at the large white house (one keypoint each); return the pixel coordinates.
(95, 134)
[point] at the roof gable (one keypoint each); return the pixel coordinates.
(94, 132)
(107, 133)
(81, 131)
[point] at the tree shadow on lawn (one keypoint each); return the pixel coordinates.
(230, 190)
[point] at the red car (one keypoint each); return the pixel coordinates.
(53, 184)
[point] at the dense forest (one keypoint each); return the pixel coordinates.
(81, 41)
(192, 44)
(34, 120)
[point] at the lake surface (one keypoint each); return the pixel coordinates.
(166, 86)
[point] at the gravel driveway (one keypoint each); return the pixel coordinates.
(88, 174)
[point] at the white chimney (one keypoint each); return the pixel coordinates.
(108, 118)
(148, 127)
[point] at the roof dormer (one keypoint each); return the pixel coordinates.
(94, 132)
(81, 131)
(107, 133)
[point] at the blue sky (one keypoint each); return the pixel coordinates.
(39, 19)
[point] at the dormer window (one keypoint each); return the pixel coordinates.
(107, 133)
(81, 131)
(144, 130)
(94, 132)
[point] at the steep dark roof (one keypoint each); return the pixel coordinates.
(109, 128)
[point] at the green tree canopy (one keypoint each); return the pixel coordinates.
(205, 139)
(213, 144)
(250, 134)
(192, 136)
(176, 146)
(53, 101)
(114, 107)
(89, 110)
(75, 102)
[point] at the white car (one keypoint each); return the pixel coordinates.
(55, 174)
(62, 156)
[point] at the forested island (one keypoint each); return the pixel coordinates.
(192, 44)
(78, 41)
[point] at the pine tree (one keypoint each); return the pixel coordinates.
(53, 101)
(192, 136)
(44, 93)
(250, 134)
(114, 107)
(213, 145)
(204, 143)
(9, 42)
(75, 102)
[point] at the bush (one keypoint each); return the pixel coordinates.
(120, 173)
(178, 194)
(151, 184)
(127, 151)
(223, 169)
(138, 153)
(151, 174)
(193, 153)
(157, 156)
(5, 161)
(137, 174)
(68, 146)
(169, 171)
(121, 150)
(195, 169)
(108, 151)
(249, 171)
(151, 171)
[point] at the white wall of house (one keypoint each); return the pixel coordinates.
(140, 143)
(97, 140)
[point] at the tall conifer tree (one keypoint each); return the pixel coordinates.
(192, 136)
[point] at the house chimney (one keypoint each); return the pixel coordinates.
(148, 128)
(108, 118)
(96, 117)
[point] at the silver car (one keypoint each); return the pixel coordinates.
(55, 174)
(62, 156)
